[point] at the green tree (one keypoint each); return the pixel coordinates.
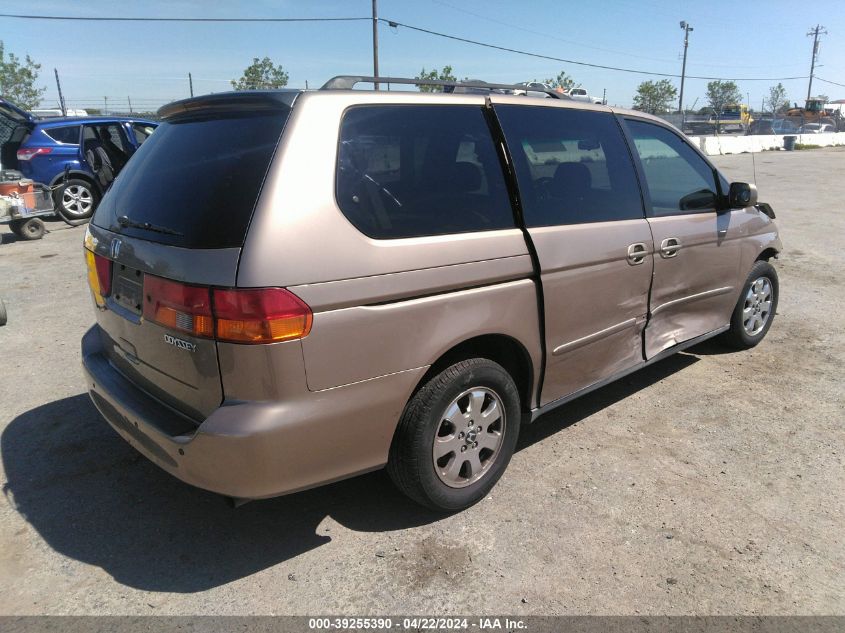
(722, 93)
(777, 99)
(655, 97)
(17, 80)
(261, 75)
(436, 75)
(562, 81)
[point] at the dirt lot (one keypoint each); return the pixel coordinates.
(709, 483)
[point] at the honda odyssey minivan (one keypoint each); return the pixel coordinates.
(295, 287)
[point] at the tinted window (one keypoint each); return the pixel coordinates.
(407, 171)
(198, 178)
(69, 134)
(679, 180)
(572, 165)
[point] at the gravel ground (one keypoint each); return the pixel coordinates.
(709, 483)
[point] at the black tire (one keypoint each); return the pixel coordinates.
(32, 229)
(3, 317)
(738, 335)
(79, 204)
(411, 464)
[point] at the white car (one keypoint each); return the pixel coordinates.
(816, 128)
(580, 94)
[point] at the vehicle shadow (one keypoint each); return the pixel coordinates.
(585, 406)
(93, 498)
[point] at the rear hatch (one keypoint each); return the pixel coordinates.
(15, 125)
(170, 230)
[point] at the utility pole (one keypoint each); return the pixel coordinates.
(61, 96)
(375, 41)
(105, 105)
(604, 96)
(129, 99)
(191, 84)
(687, 30)
(819, 30)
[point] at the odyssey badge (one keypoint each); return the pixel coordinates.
(178, 342)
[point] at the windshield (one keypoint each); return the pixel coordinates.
(194, 183)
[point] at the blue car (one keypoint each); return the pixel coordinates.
(91, 149)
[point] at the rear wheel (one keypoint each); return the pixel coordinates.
(31, 229)
(755, 310)
(75, 201)
(456, 435)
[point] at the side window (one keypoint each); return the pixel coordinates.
(142, 132)
(68, 134)
(573, 166)
(679, 180)
(409, 171)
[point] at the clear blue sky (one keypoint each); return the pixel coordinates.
(150, 61)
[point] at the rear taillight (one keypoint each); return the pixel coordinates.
(29, 153)
(177, 306)
(264, 315)
(249, 315)
(99, 276)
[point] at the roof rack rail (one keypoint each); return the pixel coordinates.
(347, 82)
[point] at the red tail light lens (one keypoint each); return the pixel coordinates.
(31, 152)
(264, 315)
(103, 274)
(250, 315)
(177, 306)
(99, 276)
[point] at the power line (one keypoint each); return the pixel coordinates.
(394, 23)
(127, 19)
(827, 81)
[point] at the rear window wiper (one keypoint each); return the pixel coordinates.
(125, 222)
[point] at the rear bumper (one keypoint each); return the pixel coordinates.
(255, 449)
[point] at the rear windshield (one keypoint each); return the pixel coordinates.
(195, 182)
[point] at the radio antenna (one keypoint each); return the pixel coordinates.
(751, 140)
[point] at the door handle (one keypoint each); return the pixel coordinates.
(670, 247)
(637, 253)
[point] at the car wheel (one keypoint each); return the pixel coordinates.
(75, 201)
(456, 435)
(32, 229)
(755, 310)
(3, 317)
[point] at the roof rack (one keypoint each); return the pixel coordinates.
(347, 82)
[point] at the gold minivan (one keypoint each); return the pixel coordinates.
(294, 287)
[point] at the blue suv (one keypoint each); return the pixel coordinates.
(92, 150)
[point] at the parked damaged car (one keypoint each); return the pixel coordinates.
(78, 157)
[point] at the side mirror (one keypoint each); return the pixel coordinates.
(742, 195)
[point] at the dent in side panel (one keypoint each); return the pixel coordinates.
(355, 344)
(762, 234)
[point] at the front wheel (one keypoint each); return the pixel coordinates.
(456, 435)
(755, 310)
